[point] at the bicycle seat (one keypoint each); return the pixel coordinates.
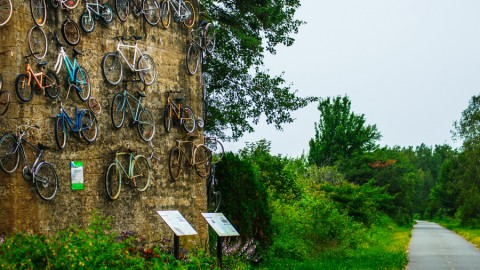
(140, 94)
(137, 37)
(42, 64)
(76, 52)
(179, 99)
(42, 147)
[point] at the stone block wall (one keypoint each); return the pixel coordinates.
(22, 209)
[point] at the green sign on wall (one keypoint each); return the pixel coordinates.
(77, 175)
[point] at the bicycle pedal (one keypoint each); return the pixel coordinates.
(26, 173)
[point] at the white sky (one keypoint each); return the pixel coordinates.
(410, 66)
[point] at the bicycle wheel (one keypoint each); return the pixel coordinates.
(46, 181)
(60, 130)
(94, 106)
(165, 13)
(193, 59)
(202, 157)
(5, 11)
(23, 89)
(118, 110)
(209, 37)
(70, 32)
(146, 69)
(190, 20)
(113, 181)
(4, 101)
(175, 163)
(71, 4)
(38, 9)
(82, 83)
(51, 84)
(146, 125)
(87, 22)
(151, 11)
(141, 173)
(217, 150)
(89, 127)
(106, 13)
(214, 199)
(37, 42)
(123, 9)
(112, 68)
(167, 119)
(9, 154)
(188, 119)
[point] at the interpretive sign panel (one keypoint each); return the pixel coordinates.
(177, 223)
(220, 224)
(76, 168)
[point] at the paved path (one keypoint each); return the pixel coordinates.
(434, 247)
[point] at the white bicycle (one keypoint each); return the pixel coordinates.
(94, 11)
(141, 63)
(181, 10)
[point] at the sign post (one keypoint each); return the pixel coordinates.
(223, 228)
(179, 226)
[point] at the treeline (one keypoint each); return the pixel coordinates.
(347, 184)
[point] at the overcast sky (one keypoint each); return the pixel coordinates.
(410, 66)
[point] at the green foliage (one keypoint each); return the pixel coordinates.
(340, 133)
(244, 197)
(239, 90)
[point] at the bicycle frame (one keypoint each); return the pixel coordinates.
(128, 174)
(20, 143)
(74, 125)
(126, 101)
(180, 6)
(93, 8)
(69, 66)
(31, 73)
(137, 54)
(190, 159)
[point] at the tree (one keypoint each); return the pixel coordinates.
(239, 90)
(340, 133)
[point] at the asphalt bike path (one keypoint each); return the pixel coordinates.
(433, 247)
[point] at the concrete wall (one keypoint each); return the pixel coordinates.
(22, 209)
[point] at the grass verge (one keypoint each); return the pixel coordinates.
(470, 234)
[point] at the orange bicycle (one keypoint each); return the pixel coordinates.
(26, 83)
(182, 113)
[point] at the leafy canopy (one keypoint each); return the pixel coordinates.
(239, 89)
(340, 133)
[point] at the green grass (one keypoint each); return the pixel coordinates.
(470, 234)
(385, 249)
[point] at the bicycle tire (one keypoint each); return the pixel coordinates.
(60, 130)
(217, 151)
(87, 22)
(82, 83)
(202, 157)
(89, 127)
(192, 59)
(151, 11)
(106, 13)
(38, 10)
(5, 11)
(146, 125)
(113, 181)
(54, 3)
(71, 32)
(37, 42)
(167, 119)
(188, 119)
(111, 65)
(94, 106)
(123, 9)
(71, 4)
(23, 89)
(46, 181)
(118, 109)
(214, 198)
(190, 21)
(9, 154)
(165, 14)
(175, 163)
(209, 38)
(149, 73)
(51, 84)
(4, 102)
(141, 172)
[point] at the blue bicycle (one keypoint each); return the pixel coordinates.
(85, 124)
(76, 75)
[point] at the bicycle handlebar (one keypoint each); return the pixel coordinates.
(27, 127)
(32, 54)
